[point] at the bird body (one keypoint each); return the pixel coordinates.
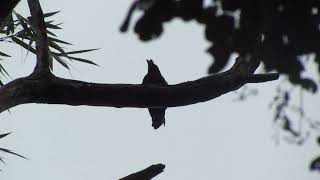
(154, 77)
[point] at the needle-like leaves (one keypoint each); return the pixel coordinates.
(25, 37)
(7, 150)
(4, 135)
(58, 40)
(83, 60)
(4, 54)
(22, 19)
(1, 159)
(50, 14)
(60, 60)
(24, 45)
(52, 26)
(11, 152)
(80, 51)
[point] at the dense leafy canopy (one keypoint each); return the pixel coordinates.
(288, 29)
(282, 33)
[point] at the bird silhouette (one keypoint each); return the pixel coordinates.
(154, 77)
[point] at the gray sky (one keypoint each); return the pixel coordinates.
(220, 139)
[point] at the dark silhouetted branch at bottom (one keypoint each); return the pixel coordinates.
(146, 174)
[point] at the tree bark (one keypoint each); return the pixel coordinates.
(55, 90)
(42, 47)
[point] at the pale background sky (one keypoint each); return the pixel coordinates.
(220, 139)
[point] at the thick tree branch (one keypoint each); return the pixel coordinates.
(42, 48)
(146, 174)
(43, 87)
(55, 90)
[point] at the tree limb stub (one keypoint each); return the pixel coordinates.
(55, 90)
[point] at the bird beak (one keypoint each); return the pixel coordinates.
(149, 61)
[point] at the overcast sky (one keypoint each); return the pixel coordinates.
(220, 139)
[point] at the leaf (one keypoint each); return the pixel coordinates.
(61, 61)
(11, 152)
(58, 40)
(65, 54)
(50, 14)
(10, 27)
(21, 18)
(4, 54)
(58, 48)
(50, 60)
(83, 60)
(81, 51)
(23, 44)
(26, 28)
(52, 26)
(1, 159)
(51, 33)
(49, 22)
(30, 45)
(24, 36)
(4, 135)
(3, 70)
(31, 40)
(7, 25)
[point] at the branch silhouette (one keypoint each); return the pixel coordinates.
(55, 90)
(146, 174)
(42, 46)
(44, 88)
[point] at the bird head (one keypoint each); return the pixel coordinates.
(151, 66)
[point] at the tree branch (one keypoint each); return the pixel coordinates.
(42, 48)
(55, 90)
(43, 87)
(146, 174)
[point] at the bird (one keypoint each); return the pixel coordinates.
(154, 77)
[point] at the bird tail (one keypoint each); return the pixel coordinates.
(158, 117)
(157, 122)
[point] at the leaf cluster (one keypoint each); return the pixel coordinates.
(288, 29)
(19, 30)
(7, 150)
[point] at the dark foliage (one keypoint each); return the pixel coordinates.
(288, 29)
(315, 164)
(6, 6)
